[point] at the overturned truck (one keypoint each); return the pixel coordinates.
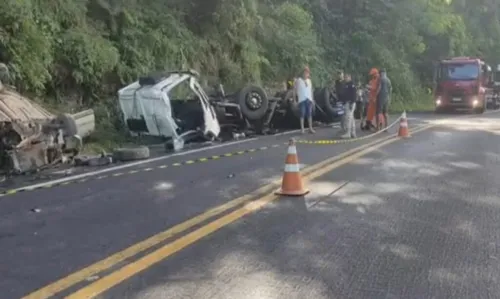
(31, 137)
(173, 105)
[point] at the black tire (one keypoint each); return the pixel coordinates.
(253, 102)
(479, 110)
(131, 154)
(328, 101)
(440, 110)
(67, 124)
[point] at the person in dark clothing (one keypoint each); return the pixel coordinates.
(339, 86)
(350, 91)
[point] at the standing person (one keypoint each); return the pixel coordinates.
(339, 91)
(303, 91)
(350, 96)
(339, 85)
(372, 99)
(384, 91)
(363, 100)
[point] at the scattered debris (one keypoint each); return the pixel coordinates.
(174, 106)
(31, 137)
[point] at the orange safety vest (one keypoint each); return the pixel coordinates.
(372, 99)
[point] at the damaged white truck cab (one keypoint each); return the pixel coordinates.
(153, 106)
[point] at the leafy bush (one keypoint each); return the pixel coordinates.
(82, 51)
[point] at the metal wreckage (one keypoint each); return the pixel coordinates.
(173, 105)
(31, 137)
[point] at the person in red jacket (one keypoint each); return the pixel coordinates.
(372, 99)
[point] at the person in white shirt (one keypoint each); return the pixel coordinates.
(304, 92)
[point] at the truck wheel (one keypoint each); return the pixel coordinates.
(479, 110)
(328, 101)
(253, 102)
(131, 154)
(67, 124)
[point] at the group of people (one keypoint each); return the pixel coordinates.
(374, 100)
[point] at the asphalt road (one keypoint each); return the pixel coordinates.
(416, 218)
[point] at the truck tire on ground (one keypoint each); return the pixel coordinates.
(253, 102)
(68, 124)
(327, 100)
(130, 154)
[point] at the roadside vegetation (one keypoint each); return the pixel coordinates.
(78, 53)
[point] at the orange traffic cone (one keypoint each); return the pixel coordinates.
(403, 127)
(292, 184)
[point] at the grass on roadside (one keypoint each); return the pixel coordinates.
(108, 134)
(423, 104)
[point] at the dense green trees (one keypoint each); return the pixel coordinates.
(82, 51)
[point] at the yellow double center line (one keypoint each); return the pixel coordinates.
(251, 202)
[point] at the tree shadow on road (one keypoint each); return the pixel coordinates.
(414, 233)
(422, 226)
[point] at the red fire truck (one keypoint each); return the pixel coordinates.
(462, 84)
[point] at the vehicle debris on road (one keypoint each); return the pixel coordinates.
(31, 137)
(173, 105)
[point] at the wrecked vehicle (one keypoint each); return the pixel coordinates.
(327, 108)
(173, 105)
(31, 137)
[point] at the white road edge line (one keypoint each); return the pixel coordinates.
(93, 173)
(286, 133)
(97, 172)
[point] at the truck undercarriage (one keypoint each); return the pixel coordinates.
(173, 105)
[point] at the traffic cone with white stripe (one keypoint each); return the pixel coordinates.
(292, 184)
(403, 127)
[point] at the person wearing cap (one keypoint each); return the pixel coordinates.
(304, 93)
(384, 90)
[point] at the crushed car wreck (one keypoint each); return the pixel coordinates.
(31, 137)
(327, 108)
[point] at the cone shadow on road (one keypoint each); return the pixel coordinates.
(407, 228)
